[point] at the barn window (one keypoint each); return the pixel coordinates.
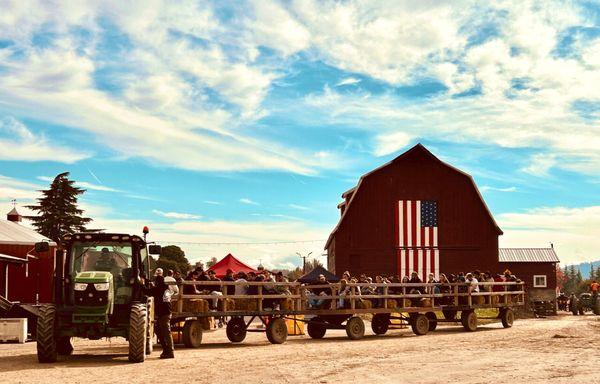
(539, 281)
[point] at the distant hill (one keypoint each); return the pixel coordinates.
(585, 267)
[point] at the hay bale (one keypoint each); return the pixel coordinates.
(195, 305)
(424, 302)
(287, 304)
(391, 303)
(245, 305)
(364, 304)
(208, 323)
(478, 300)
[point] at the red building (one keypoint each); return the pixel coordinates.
(25, 275)
(418, 213)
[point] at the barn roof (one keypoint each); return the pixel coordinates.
(13, 233)
(527, 255)
(420, 148)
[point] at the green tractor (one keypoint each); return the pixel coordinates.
(98, 292)
(586, 303)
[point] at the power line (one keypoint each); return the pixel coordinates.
(239, 243)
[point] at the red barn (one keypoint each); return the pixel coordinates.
(25, 275)
(383, 226)
(418, 213)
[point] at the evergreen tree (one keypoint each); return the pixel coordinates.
(173, 257)
(57, 209)
(592, 272)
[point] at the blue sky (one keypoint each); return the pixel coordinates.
(245, 121)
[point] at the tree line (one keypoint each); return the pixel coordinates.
(570, 280)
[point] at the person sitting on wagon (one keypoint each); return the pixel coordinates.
(215, 290)
(190, 289)
(472, 283)
(316, 302)
(432, 289)
(445, 289)
(415, 279)
(229, 277)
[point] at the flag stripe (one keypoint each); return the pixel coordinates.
(417, 224)
(413, 223)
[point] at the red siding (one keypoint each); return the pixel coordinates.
(26, 284)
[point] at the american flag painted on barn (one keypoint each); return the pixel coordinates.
(417, 235)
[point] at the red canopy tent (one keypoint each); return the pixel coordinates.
(230, 262)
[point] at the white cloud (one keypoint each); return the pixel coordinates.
(573, 231)
(19, 143)
(348, 81)
(245, 200)
(299, 207)
(176, 215)
(391, 143)
(212, 202)
(486, 188)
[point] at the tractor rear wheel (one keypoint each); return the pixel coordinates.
(138, 323)
(419, 324)
(277, 331)
(432, 320)
(45, 334)
(380, 323)
(316, 329)
(469, 320)
(355, 328)
(192, 333)
(64, 346)
(596, 307)
(508, 317)
(236, 330)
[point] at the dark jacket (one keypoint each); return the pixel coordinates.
(158, 291)
(230, 288)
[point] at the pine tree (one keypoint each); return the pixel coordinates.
(592, 271)
(57, 209)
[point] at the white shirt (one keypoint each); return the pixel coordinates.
(474, 285)
(241, 289)
(172, 287)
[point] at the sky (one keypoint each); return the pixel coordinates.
(244, 121)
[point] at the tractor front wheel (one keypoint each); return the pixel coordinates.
(138, 323)
(45, 334)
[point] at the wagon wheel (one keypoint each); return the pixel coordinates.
(380, 323)
(469, 320)
(449, 314)
(508, 317)
(192, 333)
(355, 328)
(432, 320)
(236, 330)
(316, 329)
(420, 324)
(277, 331)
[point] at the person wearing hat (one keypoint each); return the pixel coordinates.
(162, 300)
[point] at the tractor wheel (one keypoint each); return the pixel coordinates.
(277, 331)
(316, 330)
(380, 323)
(355, 328)
(508, 317)
(419, 324)
(64, 346)
(596, 307)
(192, 333)
(138, 324)
(469, 320)
(45, 334)
(432, 320)
(449, 314)
(236, 330)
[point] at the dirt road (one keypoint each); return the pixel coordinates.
(564, 349)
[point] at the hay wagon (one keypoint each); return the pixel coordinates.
(397, 305)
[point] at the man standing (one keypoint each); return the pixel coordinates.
(162, 300)
(172, 283)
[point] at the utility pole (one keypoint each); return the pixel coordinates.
(303, 260)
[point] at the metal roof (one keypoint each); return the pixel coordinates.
(13, 233)
(12, 259)
(527, 255)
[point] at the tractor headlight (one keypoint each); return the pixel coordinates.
(80, 286)
(101, 286)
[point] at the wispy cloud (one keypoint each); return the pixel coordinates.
(348, 81)
(212, 202)
(485, 188)
(245, 200)
(299, 207)
(177, 215)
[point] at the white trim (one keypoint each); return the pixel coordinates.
(545, 285)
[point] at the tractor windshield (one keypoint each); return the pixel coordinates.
(111, 257)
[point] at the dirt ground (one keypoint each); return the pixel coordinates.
(553, 350)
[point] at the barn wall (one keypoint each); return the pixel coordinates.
(365, 241)
(26, 284)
